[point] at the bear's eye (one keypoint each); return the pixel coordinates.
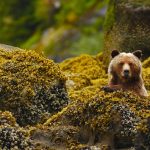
(130, 64)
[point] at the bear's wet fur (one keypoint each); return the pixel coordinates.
(125, 72)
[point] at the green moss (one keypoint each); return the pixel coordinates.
(139, 3)
(129, 26)
(110, 16)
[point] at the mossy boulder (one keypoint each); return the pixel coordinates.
(83, 71)
(127, 26)
(31, 86)
(116, 120)
(95, 119)
(92, 120)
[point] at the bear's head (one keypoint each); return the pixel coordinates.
(125, 66)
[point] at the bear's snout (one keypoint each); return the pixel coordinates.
(126, 73)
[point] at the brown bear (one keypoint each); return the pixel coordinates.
(125, 72)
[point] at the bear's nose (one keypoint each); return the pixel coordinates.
(126, 73)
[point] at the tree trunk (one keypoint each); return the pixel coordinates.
(127, 27)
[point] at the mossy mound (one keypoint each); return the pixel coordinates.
(83, 71)
(95, 119)
(11, 135)
(118, 119)
(31, 86)
(146, 63)
(6, 118)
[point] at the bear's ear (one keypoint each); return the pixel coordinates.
(138, 53)
(114, 53)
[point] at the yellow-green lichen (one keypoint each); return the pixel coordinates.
(93, 118)
(6, 118)
(31, 86)
(82, 71)
(96, 114)
(118, 113)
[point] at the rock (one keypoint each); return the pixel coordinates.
(95, 119)
(83, 71)
(11, 135)
(9, 48)
(127, 27)
(117, 116)
(31, 86)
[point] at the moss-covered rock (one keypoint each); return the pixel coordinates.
(83, 71)
(95, 119)
(31, 86)
(127, 26)
(146, 73)
(11, 135)
(6, 118)
(114, 119)
(14, 16)
(92, 120)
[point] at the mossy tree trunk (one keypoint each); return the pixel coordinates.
(127, 26)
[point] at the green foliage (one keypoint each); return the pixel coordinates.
(89, 44)
(110, 16)
(77, 7)
(74, 9)
(25, 22)
(41, 10)
(15, 24)
(32, 40)
(44, 13)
